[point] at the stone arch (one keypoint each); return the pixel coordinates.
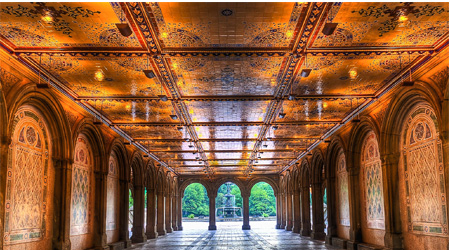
(120, 151)
(185, 183)
(150, 175)
(95, 138)
(332, 158)
(318, 189)
(242, 187)
(268, 180)
(367, 228)
(137, 166)
(61, 147)
(403, 102)
(3, 156)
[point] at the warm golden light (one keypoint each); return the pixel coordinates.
(47, 18)
(174, 65)
(403, 18)
(353, 74)
(99, 76)
(289, 33)
(325, 105)
(164, 35)
(191, 111)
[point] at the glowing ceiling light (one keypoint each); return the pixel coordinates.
(191, 111)
(353, 73)
(403, 18)
(164, 35)
(174, 65)
(47, 17)
(289, 33)
(325, 105)
(99, 76)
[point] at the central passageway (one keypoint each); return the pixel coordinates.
(229, 235)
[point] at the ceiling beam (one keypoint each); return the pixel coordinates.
(215, 124)
(220, 151)
(230, 139)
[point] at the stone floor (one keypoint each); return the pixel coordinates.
(229, 235)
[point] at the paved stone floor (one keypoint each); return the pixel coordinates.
(229, 235)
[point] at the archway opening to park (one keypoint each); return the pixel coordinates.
(262, 204)
(195, 203)
(228, 203)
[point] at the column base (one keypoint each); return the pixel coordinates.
(305, 232)
(278, 226)
(353, 245)
(175, 228)
(288, 228)
(328, 240)
(393, 241)
(151, 235)
(318, 235)
(210, 227)
(296, 230)
(180, 228)
(169, 230)
(137, 239)
(127, 243)
(245, 227)
(162, 232)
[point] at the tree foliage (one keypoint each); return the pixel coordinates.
(195, 200)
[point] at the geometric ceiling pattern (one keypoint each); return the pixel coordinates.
(231, 72)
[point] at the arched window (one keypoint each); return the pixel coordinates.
(423, 173)
(112, 194)
(372, 181)
(81, 187)
(342, 188)
(27, 193)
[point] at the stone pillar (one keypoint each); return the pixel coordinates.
(246, 212)
(288, 212)
(393, 235)
(124, 235)
(317, 208)
(296, 207)
(331, 212)
(169, 228)
(174, 213)
(212, 212)
(61, 204)
(305, 212)
(160, 222)
(354, 205)
(180, 211)
(138, 235)
(283, 210)
(151, 214)
(100, 238)
(277, 198)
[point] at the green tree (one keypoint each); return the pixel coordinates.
(195, 200)
(262, 200)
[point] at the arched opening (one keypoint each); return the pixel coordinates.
(229, 203)
(130, 203)
(262, 203)
(195, 206)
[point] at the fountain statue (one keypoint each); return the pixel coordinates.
(229, 210)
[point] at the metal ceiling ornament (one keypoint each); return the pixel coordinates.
(410, 82)
(148, 72)
(124, 28)
(306, 71)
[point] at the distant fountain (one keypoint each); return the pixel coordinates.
(228, 211)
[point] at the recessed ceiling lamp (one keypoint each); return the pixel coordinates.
(306, 71)
(275, 127)
(329, 28)
(124, 28)
(174, 116)
(47, 17)
(281, 115)
(180, 128)
(99, 75)
(41, 85)
(148, 72)
(410, 82)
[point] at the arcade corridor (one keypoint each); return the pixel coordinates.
(230, 236)
(110, 110)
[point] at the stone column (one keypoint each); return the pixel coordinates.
(174, 213)
(288, 212)
(61, 204)
(331, 198)
(124, 235)
(161, 224)
(393, 235)
(283, 210)
(138, 235)
(151, 214)
(212, 212)
(277, 198)
(354, 205)
(296, 206)
(100, 238)
(169, 228)
(180, 211)
(317, 208)
(246, 212)
(305, 212)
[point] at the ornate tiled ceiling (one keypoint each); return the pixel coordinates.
(227, 70)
